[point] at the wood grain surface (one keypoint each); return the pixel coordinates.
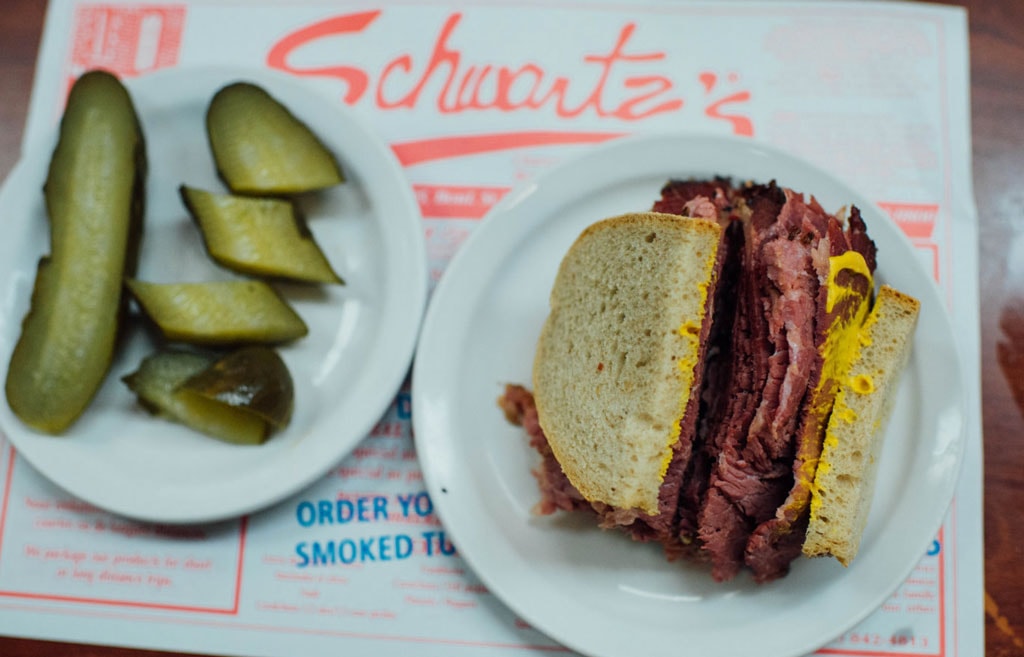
(997, 89)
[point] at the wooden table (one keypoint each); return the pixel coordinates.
(997, 84)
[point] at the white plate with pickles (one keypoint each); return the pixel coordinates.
(352, 288)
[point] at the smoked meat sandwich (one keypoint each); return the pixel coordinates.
(715, 375)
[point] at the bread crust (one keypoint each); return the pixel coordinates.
(844, 481)
(618, 356)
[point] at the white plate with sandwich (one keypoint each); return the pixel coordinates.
(595, 590)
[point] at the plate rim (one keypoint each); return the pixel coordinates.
(424, 414)
(378, 156)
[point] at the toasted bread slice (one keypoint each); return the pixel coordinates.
(844, 481)
(618, 359)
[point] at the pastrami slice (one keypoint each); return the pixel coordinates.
(842, 304)
(735, 487)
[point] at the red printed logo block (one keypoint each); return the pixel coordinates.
(916, 219)
(127, 40)
(449, 201)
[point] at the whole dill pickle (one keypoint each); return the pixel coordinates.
(94, 197)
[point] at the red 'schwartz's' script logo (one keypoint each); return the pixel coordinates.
(620, 84)
(469, 86)
(716, 108)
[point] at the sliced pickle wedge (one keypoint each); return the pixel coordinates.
(220, 312)
(158, 385)
(261, 148)
(258, 236)
(254, 378)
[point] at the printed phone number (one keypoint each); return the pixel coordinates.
(875, 639)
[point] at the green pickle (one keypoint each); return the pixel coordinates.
(261, 148)
(175, 384)
(254, 378)
(219, 313)
(258, 236)
(94, 194)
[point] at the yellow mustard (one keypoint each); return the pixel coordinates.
(687, 363)
(863, 384)
(843, 345)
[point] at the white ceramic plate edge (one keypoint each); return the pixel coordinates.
(405, 308)
(432, 413)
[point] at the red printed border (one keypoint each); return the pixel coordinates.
(232, 610)
(96, 613)
(114, 45)
(868, 652)
(412, 152)
(262, 627)
(932, 248)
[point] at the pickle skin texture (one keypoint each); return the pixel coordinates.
(254, 378)
(260, 236)
(219, 313)
(158, 384)
(261, 148)
(94, 198)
